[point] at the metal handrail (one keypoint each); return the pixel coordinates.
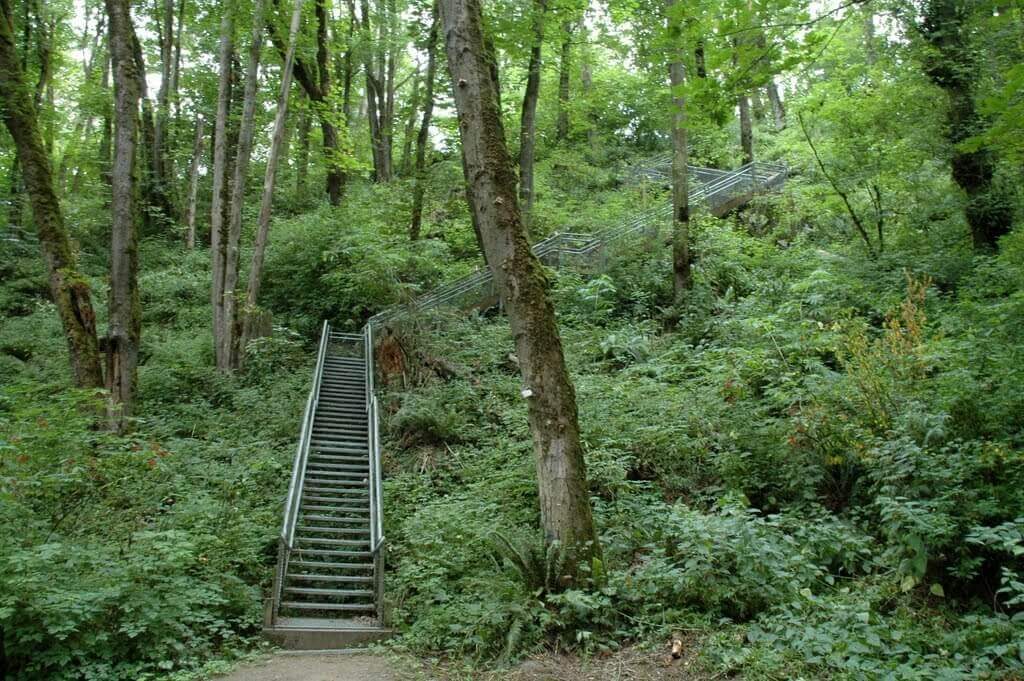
(372, 409)
(291, 505)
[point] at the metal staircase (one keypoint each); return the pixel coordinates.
(328, 588)
(329, 581)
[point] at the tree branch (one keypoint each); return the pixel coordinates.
(835, 186)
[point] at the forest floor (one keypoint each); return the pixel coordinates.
(356, 667)
(630, 664)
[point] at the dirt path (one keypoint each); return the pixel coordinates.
(355, 667)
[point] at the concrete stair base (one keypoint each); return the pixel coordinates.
(301, 633)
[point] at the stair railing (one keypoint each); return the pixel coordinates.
(718, 188)
(376, 494)
(286, 541)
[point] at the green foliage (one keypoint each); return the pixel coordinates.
(143, 556)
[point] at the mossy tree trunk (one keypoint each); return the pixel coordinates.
(125, 318)
(491, 191)
(68, 287)
(989, 209)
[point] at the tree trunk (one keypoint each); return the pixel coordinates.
(528, 118)
(176, 73)
(376, 98)
(778, 110)
(154, 188)
(681, 275)
(164, 93)
(103, 152)
(989, 209)
(551, 401)
(193, 187)
(410, 125)
(564, 73)
(423, 137)
(125, 321)
(218, 238)
(226, 336)
(318, 91)
(746, 129)
(587, 82)
(267, 198)
(302, 161)
(68, 287)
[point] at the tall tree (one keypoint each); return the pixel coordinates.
(945, 26)
(267, 198)
(528, 117)
(423, 136)
(315, 80)
(681, 276)
(226, 335)
(491, 192)
(163, 95)
(193, 186)
(125, 320)
(68, 288)
(564, 76)
(778, 109)
(218, 240)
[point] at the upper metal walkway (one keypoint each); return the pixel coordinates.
(716, 191)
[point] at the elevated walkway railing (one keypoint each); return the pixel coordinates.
(716, 191)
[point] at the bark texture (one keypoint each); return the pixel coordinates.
(564, 74)
(746, 129)
(218, 240)
(423, 137)
(226, 334)
(193, 186)
(68, 288)
(681, 266)
(778, 109)
(251, 318)
(561, 475)
(125, 320)
(528, 118)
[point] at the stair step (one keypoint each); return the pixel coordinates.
(323, 472)
(340, 466)
(346, 495)
(331, 541)
(324, 564)
(334, 518)
(354, 579)
(339, 458)
(333, 530)
(338, 593)
(354, 493)
(337, 484)
(341, 554)
(329, 606)
(322, 446)
(342, 498)
(353, 446)
(346, 509)
(339, 407)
